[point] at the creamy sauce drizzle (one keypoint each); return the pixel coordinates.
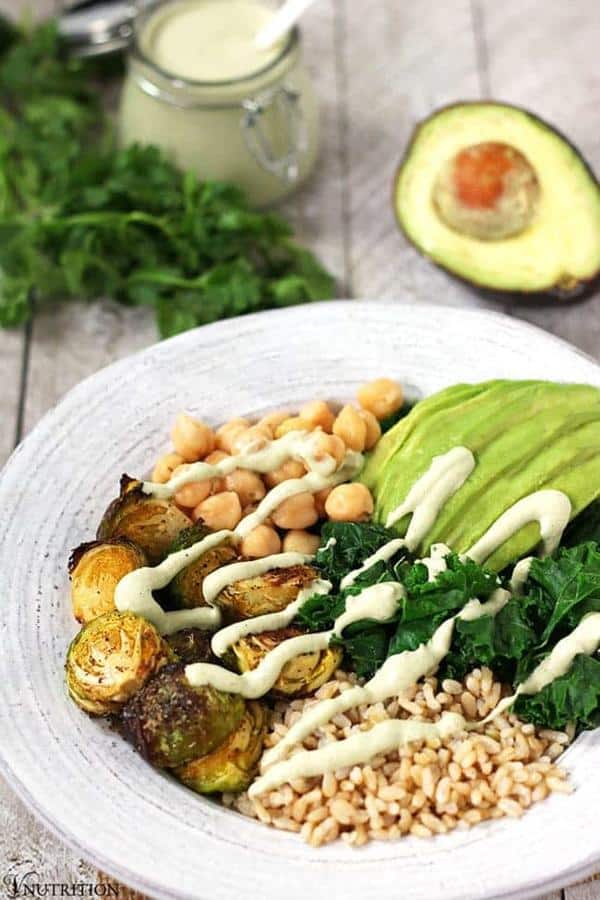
(382, 738)
(396, 675)
(226, 637)
(378, 602)
(221, 578)
(311, 483)
(435, 563)
(383, 554)
(585, 638)
(430, 492)
(300, 445)
(520, 574)
(386, 736)
(445, 476)
(552, 509)
(134, 591)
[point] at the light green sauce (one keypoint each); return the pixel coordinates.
(210, 40)
(378, 602)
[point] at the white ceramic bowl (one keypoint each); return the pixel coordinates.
(87, 784)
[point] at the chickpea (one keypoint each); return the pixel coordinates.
(216, 456)
(373, 428)
(192, 438)
(294, 423)
(219, 511)
(165, 466)
(319, 413)
(251, 440)
(261, 541)
(349, 503)
(351, 428)
(275, 418)
(227, 433)
(320, 499)
(200, 489)
(300, 541)
(381, 397)
(190, 495)
(217, 485)
(330, 445)
(248, 486)
(297, 511)
(291, 468)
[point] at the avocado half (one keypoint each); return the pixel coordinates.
(525, 435)
(449, 205)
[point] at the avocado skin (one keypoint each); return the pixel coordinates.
(525, 435)
(580, 290)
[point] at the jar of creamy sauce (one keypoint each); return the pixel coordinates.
(199, 88)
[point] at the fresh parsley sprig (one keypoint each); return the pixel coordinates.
(81, 220)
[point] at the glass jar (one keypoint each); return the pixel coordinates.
(259, 130)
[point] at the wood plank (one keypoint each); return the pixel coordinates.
(11, 357)
(544, 56)
(317, 211)
(27, 846)
(73, 341)
(589, 890)
(401, 61)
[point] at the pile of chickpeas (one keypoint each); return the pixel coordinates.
(222, 502)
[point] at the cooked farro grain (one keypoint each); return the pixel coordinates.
(423, 789)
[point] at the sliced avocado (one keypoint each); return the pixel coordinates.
(525, 435)
(498, 197)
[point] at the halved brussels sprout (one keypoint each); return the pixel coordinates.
(170, 722)
(185, 591)
(151, 523)
(191, 645)
(232, 766)
(95, 569)
(266, 593)
(301, 676)
(110, 659)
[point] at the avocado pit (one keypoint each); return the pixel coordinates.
(488, 191)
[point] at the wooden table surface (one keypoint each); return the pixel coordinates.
(379, 65)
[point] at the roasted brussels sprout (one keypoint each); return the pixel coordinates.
(170, 722)
(151, 523)
(191, 645)
(110, 659)
(267, 593)
(95, 569)
(185, 591)
(302, 675)
(232, 766)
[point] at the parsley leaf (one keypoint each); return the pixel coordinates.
(81, 220)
